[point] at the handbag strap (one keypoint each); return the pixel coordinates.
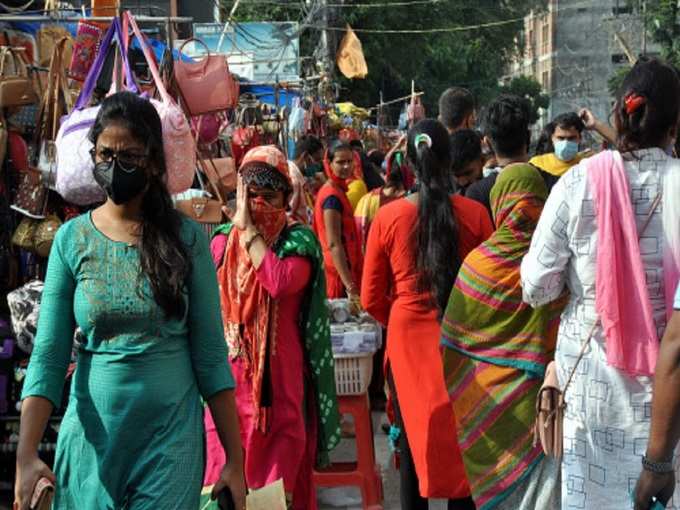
(150, 60)
(114, 32)
(47, 120)
(20, 67)
(645, 224)
(206, 58)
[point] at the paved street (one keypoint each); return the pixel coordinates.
(349, 498)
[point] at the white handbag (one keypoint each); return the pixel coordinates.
(75, 180)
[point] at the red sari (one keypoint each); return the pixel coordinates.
(350, 241)
(413, 336)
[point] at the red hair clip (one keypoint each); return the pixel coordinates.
(633, 102)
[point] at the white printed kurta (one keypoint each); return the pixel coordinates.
(607, 421)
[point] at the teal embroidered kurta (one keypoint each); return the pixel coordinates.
(132, 436)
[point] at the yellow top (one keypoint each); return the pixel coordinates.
(554, 166)
(355, 190)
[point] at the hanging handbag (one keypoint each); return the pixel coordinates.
(225, 171)
(47, 38)
(31, 195)
(75, 181)
(24, 308)
(208, 127)
(24, 234)
(247, 135)
(44, 235)
(200, 205)
(16, 85)
(206, 85)
(179, 145)
(56, 102)
(551, 400)
(4, 133)
(89, 36)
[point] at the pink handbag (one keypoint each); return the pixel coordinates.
(207, 85)
(178, 142)
(208, 127)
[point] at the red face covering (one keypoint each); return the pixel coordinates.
(269, 220)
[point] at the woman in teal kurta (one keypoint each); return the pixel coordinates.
(132, 436)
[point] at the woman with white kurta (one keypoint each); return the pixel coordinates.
(621, 288)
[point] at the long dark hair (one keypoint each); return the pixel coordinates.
(544, 143)
(436, 233)
(163, 256)
(648, 126)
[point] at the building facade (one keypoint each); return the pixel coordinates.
(574, 47)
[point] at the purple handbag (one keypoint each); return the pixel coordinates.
(75, 181)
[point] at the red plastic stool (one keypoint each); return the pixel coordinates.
(364, 473)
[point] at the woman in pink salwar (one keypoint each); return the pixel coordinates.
(272, 287)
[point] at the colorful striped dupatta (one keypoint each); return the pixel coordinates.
(497, 347)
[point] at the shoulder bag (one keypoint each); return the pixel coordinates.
(207, 85)
(16, 86)
(75, 181)
(550, 402)
(178, 142)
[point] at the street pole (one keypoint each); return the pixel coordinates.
(325, 42)
(644, 27)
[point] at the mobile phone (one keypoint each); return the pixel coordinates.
(225, 500)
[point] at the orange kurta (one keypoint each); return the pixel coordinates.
(350, 241)
(413, 336)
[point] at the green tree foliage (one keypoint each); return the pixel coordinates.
(527, 87)
(663, 22)
(475, 58)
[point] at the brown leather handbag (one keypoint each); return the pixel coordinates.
(207, 208)
(206, 85)
(16, 85)
(44, 235)
(225, 173)
(24, 234)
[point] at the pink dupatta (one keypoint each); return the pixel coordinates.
(621, 298)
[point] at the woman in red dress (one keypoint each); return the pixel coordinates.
(415, 247)
(335, 226)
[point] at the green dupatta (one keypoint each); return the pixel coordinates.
(299, 240)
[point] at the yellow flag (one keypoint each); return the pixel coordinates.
(350, 58)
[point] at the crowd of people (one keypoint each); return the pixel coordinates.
(487, 258)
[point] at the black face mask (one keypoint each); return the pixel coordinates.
(121, 184)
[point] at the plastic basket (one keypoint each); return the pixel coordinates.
(353, 373)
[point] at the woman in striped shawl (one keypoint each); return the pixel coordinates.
(496, 351)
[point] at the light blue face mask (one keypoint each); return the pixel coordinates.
(566, 150)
